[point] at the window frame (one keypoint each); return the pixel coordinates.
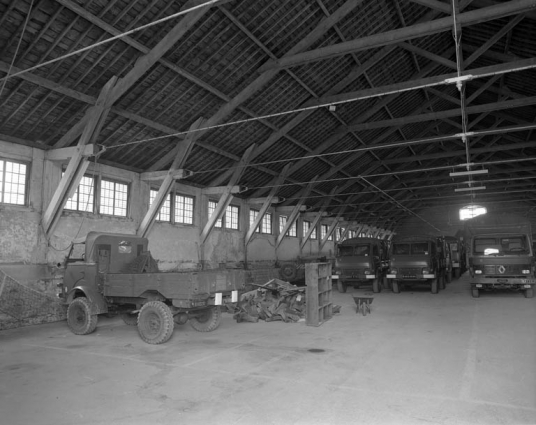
(173, 210)
(25, 196)
(223, 220)
(77, 191)
(253, 214)
(100, 191)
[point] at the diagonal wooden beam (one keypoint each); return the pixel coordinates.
(78, 162)
(332, 226)
(267, 203)
(226, 197)
(408, 33)
(317, 218)
(142, 66)
(428, 55)
(185, 147)
(296, 210)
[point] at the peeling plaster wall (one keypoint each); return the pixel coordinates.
(174, 246)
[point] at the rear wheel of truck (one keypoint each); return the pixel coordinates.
(341, 286)
(208, 321)
(435, 285)
(475, 292)
(155, 322)
(457, 272)
(529, 293)
(79, 317)
(376, 286)
(130, 319)
(396, 287)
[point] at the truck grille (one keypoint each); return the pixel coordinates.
(352, 272)
(410, 272)
(509, 269)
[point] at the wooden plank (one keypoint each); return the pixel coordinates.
(217, 190)
(65, 153)
(161, 175)
(395, 36)
(267, 203)
(226, 197)
(295, 211)
(185, 147)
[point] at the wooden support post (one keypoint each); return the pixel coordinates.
(226, 196)
(294, 214)
(267, 203)
(78, 163)
(325, 204)
(332, 227)
(185, 147)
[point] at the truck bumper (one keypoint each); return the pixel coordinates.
(416, 277)
(506, 282)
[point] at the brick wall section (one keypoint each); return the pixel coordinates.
(22, 306)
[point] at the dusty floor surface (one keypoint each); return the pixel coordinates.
(418, 358)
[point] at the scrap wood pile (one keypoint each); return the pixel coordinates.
(275, 300)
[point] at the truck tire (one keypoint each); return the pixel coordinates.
(475, 292)
(396, 287)
(79, 317)
(435, 285)
(130, 319)
(208, 321)
(155, 322)
(376, 287)
(529, 293)
(288, 271)
(457, 272)
(341, 286)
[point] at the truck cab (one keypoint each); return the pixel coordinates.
(417, 260)
(360, 261)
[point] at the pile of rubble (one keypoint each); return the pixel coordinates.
(272, 301)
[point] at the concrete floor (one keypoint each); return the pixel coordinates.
(417, 358)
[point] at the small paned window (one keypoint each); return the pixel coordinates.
(113, 198)
(13, 177)
(324, 228)
(306, 225)
(184, 209)
(229, 219)
(266, 224)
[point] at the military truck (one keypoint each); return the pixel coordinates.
(500, 254)
(457, 255)
(360, 261)
(109, 273)
(416, 260)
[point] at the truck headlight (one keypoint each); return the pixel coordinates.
(426, 270)
(367, 271)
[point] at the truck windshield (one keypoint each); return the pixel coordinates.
(354, 250)
(415, 248)
(500, 245)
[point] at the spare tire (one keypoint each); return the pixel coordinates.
(288, 271)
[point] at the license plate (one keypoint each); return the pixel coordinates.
(528, 280)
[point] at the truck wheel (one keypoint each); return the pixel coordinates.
(130, 319)
(475, 292)
(441, 279)
(155, 322)
(208, 321)
(435, 285)
(396, 288)
(79, 317)
(288, 271)
(529, 293)
(457, 272)
(341, 286)
(376, 287)
(449, 276)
